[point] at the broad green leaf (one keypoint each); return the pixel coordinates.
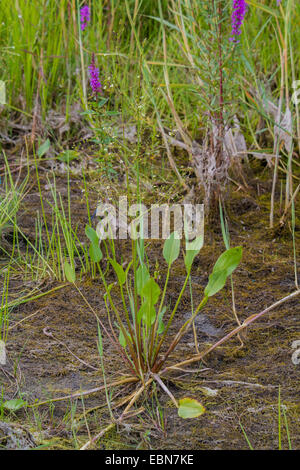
(190, 408)
(119, 271)
(161, 327)
(95, 252)
(224, 266)
(94, 249)
(229, 260)
(142, 277)
(122, 339)
(151, 291)
(147, 313)
(91, 234)
(43, 148)
(69, 272)
(171, 248)
(15, 404)
(192, 249)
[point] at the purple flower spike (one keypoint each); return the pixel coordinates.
(85, 17)
(278, 2)
(237, 18)
(94, 77)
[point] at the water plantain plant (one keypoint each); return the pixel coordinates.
(141, 330)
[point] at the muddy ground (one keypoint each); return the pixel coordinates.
(236, 384)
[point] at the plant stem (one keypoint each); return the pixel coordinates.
(171, 318)
(179, 335)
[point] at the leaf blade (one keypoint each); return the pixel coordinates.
(190, 408)
(224, 267)
(171, 248)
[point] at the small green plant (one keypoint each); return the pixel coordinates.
(142, 329)
(10, 406)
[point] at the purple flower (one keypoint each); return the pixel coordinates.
(237, 18)
(85, 16)
(94, 76)
(278, 2)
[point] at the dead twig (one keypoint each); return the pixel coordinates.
(234, 332)
(86, 392)
(100, 434)
(27, 318)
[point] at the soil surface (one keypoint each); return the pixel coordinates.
(238, 383)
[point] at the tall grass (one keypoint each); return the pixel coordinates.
(40, 50)
(157, 69)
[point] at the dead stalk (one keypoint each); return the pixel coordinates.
(165, 388)
(135, 397)
(86, 392)
(100, 434)
(234, 332)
